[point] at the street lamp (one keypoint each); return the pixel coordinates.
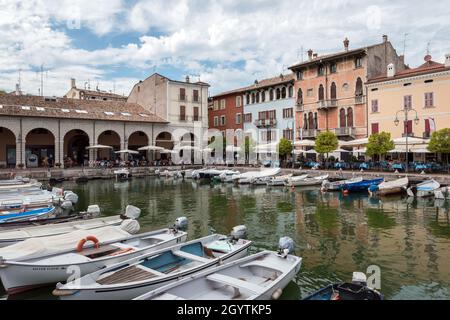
(397, 122)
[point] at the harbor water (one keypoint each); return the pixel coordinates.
(334, 234)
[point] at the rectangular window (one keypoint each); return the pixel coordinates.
(182, 94)
(429, 99)
(238, 118)
(288, 134)
(267, 135)
(321, 71)
(182, 113)
(310, 92)
(333, 68)
(407, 102)
(272, 114)
(222, 104)
(195, 96)
(288, 113)
(262, 115)
(196, 114)
(408, 127)
(247, 117)
(216, 121)
(358, 62)
(374, 106)
(222, 120)
(375, 128)
(216, 104)
(238, 101)
(299, 75)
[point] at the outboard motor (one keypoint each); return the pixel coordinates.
(93, 210)
(285, 246)
(70, 196)
(131, 226)
(181, 223)
(359, 278)
(238, 232)
(66, 205)
(131, 212)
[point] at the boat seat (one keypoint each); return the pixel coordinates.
(190, 256)
(236, 283)
(262, 264)
(168, 296)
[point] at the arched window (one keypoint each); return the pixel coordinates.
(305, 121)
(271, 94)
(291, 91)
(263, 96)
(333, 91)
(342, 119)
(278, 94)
(350, 117)
(359, 87)
(300, 96)
(248, 98)
(253, 97)
(257, 97)
(321, 93)
(316, 122)
(311, 120)
(283, 93)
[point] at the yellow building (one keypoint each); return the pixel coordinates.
(424, 91)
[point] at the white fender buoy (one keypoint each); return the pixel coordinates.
(277, 294)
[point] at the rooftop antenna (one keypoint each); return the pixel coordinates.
(300, 54)
(20, 80)
(428, 47)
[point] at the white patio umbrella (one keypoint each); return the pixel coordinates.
(151, 148)
(128, 151)
(312, 151)
(341, 150)
(354, 143)
(233, 149)
(187, 148)
(362, 150)
(304, 143)
(398, 150)
(420, 150)
(298, 151)
(411, 141)
(99, 146)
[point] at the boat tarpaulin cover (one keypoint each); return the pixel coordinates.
(42, 246)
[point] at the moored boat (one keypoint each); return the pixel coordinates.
(356, 290)
(424, 189)
(261, 276)
(11, 216)
(307, 181)
(279, 180)
(328, 186)
(139, 275)
(361, 186)
(389, 187)
(47, 260)
(442, 193)
(248, 177)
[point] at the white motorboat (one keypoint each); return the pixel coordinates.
(389, 187)
(295, 179)
(20, 186)
(337, 185)
(139, 275)
(424, 189)
(250, 176)
(261, 276)
(47, 260)
(314, 181)
(442, 193)
(227, 175)
(14, 235)
(278, 181)
(122, 174)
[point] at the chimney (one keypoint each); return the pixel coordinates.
(316, 55)
(447, 60)
(72, 83)
(310, 54)
(346, 44)
(390, 70)
(402, 59)
(385, 38)
(187, 79)
(17, 89)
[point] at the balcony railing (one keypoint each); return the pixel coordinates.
(299, 105)
(344, 132)
(359, 99)
(409, 135)
(427, 135)
(265, 123)
(309, 133)
(325, 104)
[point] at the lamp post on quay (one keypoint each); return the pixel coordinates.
(397, 122)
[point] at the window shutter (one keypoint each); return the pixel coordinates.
(375, 128)
(427, 126)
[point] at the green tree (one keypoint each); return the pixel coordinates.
(326, 142)
(285, 148)
(440, 142)
(379, 144)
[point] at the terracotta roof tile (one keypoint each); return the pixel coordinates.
(75, 109)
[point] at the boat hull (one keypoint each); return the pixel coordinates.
(130, 292)
(18, 277)
(362, 186)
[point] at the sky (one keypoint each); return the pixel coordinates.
(113, 44)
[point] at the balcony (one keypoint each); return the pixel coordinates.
(299, 106)
(426, 135)
(345, 132)
(326, 104)
(265, 123)
(359, 99)
(409, 135)
(309, 133)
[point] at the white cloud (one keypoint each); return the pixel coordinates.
(229, 43)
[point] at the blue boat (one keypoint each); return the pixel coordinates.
(361, 186)
(7, 216)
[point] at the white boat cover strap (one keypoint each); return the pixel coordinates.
(37, 247)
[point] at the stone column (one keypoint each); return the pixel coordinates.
(92, 157)
(19, 151)
(59, 149)
(124, 146)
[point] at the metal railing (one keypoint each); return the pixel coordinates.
(265, 122)
(345, 131)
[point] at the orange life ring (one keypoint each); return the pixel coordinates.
(81, 243)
